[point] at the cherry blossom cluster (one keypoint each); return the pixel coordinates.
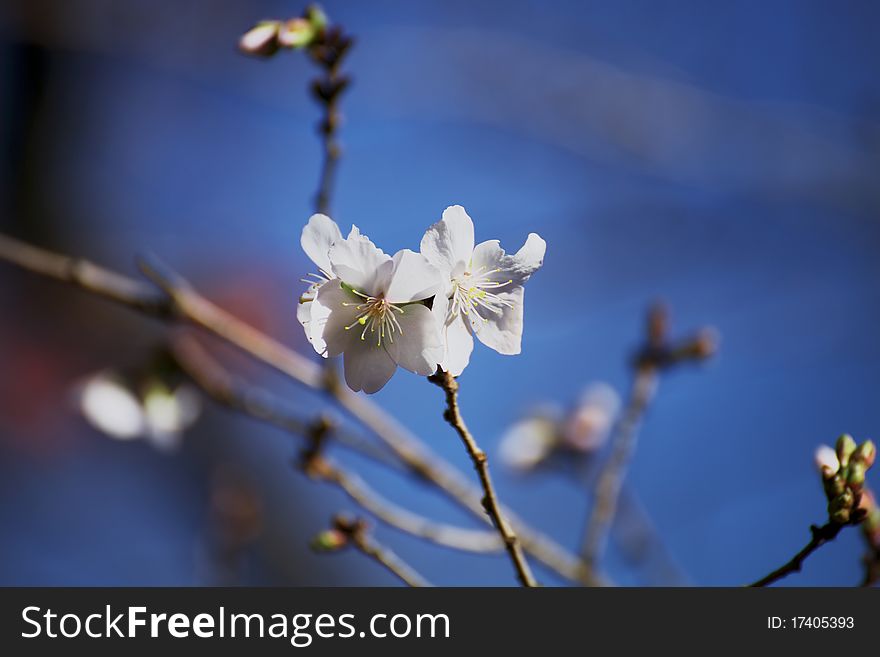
(418, 311)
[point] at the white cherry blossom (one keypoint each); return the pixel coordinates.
(368, 306)
(483, 288)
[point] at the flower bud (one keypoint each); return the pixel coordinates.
(261, 40)
(827, 462)
(329, 540)
(840, 516)
(843, 501)
(866, 453)
(316, 16)
(845, 448)
(855, 477)
(296, 33)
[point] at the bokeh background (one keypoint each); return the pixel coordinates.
(724, 157)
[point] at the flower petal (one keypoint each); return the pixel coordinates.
(449, 243)
(333, 310)
(317, 237)
(459, 344)
(518, 267)
(502, 331)
(412, 278)
(418, 346)
(367, 366)
(358, 262)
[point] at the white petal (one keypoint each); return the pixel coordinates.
(312, 317)
(333, 310)
(412, 278)
(418, 346)
(459, 345)
(358, 262)
(367, 366)
(112, 408)
(502, 331)
(449, 243)
(518, 267)
(317, 237)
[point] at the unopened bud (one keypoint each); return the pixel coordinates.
(855, 477)
(826, 461)
(866, 453)
(316, 16)
(329, 540)
(296, 33)
(840, 516)
(261, 40)
(845, 448)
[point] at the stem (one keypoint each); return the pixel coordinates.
(820, 536)
(490, 499)
(610, 480)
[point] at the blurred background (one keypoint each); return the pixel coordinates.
(724, 157)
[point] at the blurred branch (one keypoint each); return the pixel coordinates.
(356, 534)
(217, 383)
(182, 303)
(257, 403)
(328, 53)
(468, 540)
(656, 354)
(820, 536)
(613, 472)
(452, 415)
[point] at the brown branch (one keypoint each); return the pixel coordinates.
(359, 537)
(820, 536)
(182, 303)
(452, 415)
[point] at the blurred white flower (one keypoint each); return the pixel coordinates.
(549, 430)
(528, 442)
(159, 415)
(586, 429)
(368, 306)
(482, 289)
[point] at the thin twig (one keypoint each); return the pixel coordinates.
(613, 473)
(468, 540)
(360, 538)
(490, 499)
(329, 52)
(820, 536)
(185, 304)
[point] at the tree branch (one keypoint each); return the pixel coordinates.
(490, 500)
(820, 536)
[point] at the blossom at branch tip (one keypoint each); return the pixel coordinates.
(368, 306)
(482, 290)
